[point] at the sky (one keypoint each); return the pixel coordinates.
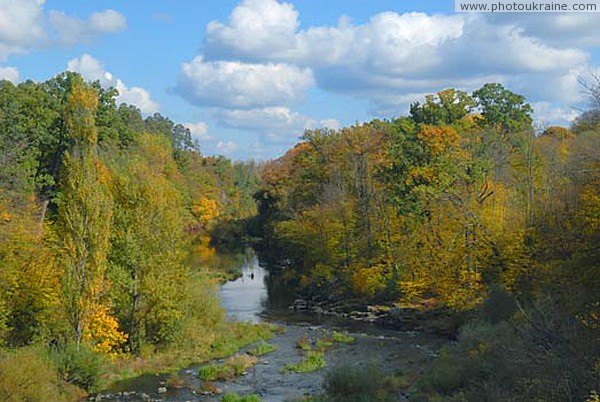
(247, 77)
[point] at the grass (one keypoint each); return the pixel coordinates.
(303, 343)
(231, 368)
(236, 398)
(228, 339)
(313, 361)
(343, 337)
(262, 349)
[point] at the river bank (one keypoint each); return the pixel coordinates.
(247, 298)
(424, 316)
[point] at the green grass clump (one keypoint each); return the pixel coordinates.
(343, 337)
(231, 368)
(312, 362)
(303, 343)
(236, 398)
(262, 349)
(209, 372)
(324, 343)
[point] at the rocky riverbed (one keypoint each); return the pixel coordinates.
(407, 352)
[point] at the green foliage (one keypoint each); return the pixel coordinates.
(79, 365)
(503, 108)
(27, 374)
(540, 354)
(357, 384)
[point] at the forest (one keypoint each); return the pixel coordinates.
(99, 208)
(463, 206)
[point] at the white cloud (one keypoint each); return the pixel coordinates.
(393, 55)
(548, 114)
(25, 25)
(92, 69)
(256, 28)
(199, 130)
(226, 147)
(20, 25)
(562, 29)
(242, 85)
(276, 124)
(72, 30)
(9, 73)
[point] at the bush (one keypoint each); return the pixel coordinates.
(80, 366)
(354, 384)
(28, 375)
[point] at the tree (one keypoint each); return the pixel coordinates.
(502, 108)
(85, 211)
(446, 107)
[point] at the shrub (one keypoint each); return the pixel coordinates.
(28, 375)
(353, 384)
(79, 366)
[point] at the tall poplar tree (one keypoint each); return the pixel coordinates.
(85, 211)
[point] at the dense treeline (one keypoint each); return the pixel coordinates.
(466, 206)
(97, 208)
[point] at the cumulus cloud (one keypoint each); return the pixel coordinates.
(393, 55)
(9, 73)
(570, 29)
(548, 114)
(92, 69)
(25, 25)
(256, 28)
(72, 30)
(226, 147)
(199, 130)
(277, 124)
(242, 85)
(20, 26)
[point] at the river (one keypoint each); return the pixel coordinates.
(251, 297)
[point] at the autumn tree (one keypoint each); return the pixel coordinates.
(85, 212)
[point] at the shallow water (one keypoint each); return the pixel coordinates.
(244, 299)
(247, 299)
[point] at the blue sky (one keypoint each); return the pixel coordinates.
(248, 76)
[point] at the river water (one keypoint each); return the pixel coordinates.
(251, 297)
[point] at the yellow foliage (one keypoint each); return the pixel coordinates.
(439, 139)
(206, 210)
(590, 211)
(103, 331)
(371, 280)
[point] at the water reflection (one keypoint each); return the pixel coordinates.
(245, 298)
